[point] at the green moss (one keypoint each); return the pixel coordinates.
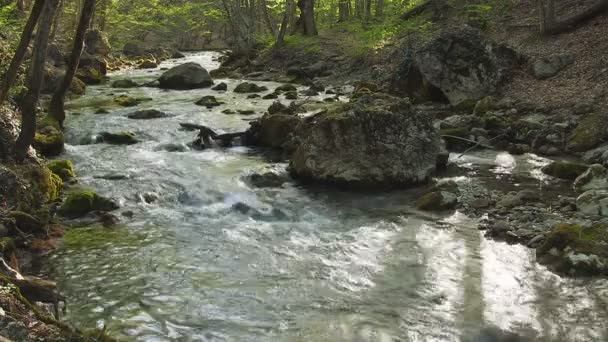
(43, 186)
(7, 246)
(126, 101)
(362, 91)
(121, 138)
(483, 106)
(78, 204)
(49, 139)
(589, 133)
(565, 170)
(63, 168)
(81, 202)
(578, 240)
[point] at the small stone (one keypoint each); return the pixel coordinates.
(220, 87)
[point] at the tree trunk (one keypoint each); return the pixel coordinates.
(379, 8)
(343, 10)
(34, 83)
(267, 19)
(11, 74)
(56, 107)
(102, 14)
(56, 20)
(550, 25)
(306, 22)
(359, 8)
(284, 23)
(368, 10)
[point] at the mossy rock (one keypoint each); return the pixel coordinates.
(124, 84)
(147, 64)
(371, 86)
(121, 138)
(437, 201)
(7, 246)
(209, 101)
(565, 170)
(362, 91)
(77, 87)
(276, 129)
(126, 101)
(292, 95)
(63, 168)
(270, 96)
(483, 106)
(49, 140)
(82, 202)
(576, 250)
(285, 88)
(28, 223)
(248, 87)
(41, 186)
(589, 133)
(451, 135)
(467, 106)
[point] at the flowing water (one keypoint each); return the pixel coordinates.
(305, 264)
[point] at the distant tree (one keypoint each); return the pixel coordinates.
(56, 107)
(281, 36)
(34, 82)
(11, 74)
(343, 10)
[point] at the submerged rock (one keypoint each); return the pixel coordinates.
(286, 88)
(147, 114)
(248, 87)
(220, 87)
(124, 84)
(565, 170)
(80, 203)
(267, 177)
(209, 101)
(437, 200)
(373, 141)
(147, 64)
(185, 76)
(122, 138)
(126, 101)
(576, 250)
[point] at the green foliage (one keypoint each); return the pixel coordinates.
(478, 15)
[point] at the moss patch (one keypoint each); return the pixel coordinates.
(28, 223)
(565, 170)
(49, 139)
(590, 132)
(63, 168)
(82, 202)
(575, 249)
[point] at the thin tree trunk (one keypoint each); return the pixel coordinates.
(379, 8)
(56, 20)
(56, 107)
(359, 8)
(102, 14)
(11, 74)
(34, 84)
(267, 19)
(284, 23)
(368, 10)
(343, 10)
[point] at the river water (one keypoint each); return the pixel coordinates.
(305, 264)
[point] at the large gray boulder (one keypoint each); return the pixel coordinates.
(376, 141)
(96, 43)
(550, 66)
(186, 76)
(460, 66)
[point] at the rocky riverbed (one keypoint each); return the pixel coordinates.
(223, 244)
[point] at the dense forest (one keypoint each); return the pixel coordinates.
(303, 170)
